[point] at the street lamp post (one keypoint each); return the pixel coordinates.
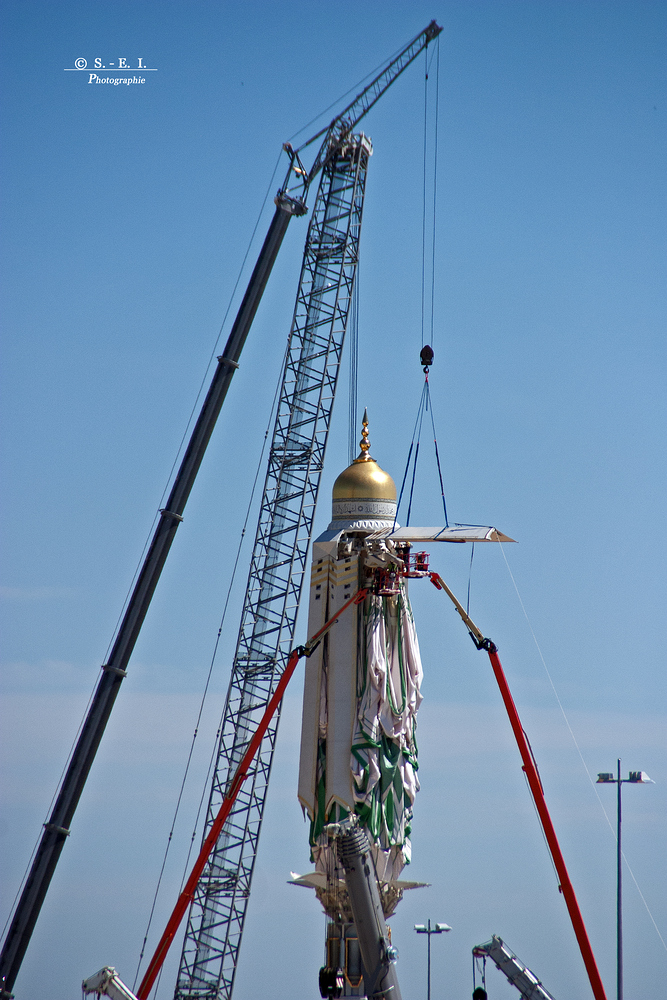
(634, 778)
(428, 930)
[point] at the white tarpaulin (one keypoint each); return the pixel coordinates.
(361, 695)
(459, 533)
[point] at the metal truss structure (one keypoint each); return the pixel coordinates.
(215, 923)
(286, 518)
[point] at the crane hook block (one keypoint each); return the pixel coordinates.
(426, 356)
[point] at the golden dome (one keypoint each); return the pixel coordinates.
(364, 479)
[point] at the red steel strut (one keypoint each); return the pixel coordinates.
(187, 895)
(537, 791)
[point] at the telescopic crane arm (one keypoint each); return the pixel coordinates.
(57, 829)
(535, 784)
(518, 974)
(107, 983)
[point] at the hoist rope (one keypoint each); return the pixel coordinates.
(432, 235)
(405, 476)
(435, 185)
(424, 401)
(353, 340)
(28, 866)
(245, 524)
(194, 410)
(574, 740)
(420, 414)
(353, 88)
(203, 701)
(412, 484)
(423, 302)
(472, 553)
(539, 819)
(437, 453)
(476, 968)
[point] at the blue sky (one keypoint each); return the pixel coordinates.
(126, 215)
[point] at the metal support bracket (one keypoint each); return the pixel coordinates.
(57, 829)
(114, 670)
(488, 645)
(171, 513)
(293, 206)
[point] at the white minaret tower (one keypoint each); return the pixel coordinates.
(361, 695)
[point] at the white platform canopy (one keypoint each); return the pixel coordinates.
(318, 880)
(459, 533)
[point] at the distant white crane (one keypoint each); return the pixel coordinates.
(517, 973)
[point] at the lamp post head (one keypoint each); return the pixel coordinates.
(634, 778)
(421, 929)
(439, 928)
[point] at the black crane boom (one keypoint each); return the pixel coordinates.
(57, 829)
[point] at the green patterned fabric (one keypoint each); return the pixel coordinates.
(383, 753)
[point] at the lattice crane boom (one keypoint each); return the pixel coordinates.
(215, 923)
(295, 429)
(349, 117)
(296, 460)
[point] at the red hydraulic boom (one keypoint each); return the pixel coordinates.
(536, 789)
(187, 894)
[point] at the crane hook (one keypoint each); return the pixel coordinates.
(426, 357)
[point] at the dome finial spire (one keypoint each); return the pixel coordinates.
(364, 444)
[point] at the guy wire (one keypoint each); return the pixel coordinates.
(574, 740)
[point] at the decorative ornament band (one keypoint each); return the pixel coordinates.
(345, 509)
(368, 525)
